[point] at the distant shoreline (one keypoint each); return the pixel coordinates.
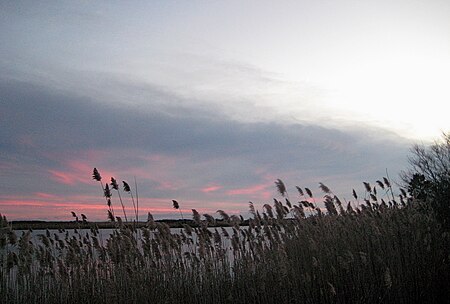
(37, 224)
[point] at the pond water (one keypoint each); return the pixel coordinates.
(101, 234)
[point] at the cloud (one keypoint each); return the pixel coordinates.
(212, 188)
(51, 139)
(253, 191)
(208, 115)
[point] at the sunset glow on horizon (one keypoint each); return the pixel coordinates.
(211, 103)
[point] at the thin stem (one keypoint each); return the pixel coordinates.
(390, 184)
(137, 200)
(123, 207)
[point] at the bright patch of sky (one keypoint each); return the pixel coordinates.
(337, 63)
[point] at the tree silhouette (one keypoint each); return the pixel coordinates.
(428, 177)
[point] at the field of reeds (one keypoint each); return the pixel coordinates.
(379, 248)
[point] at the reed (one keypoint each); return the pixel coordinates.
(384, 251)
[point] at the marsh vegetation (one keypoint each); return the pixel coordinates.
(375, 249)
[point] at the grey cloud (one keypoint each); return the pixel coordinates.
(215, 148)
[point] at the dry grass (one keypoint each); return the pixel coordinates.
(386, 251)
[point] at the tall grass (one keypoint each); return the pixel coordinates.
(387, 250)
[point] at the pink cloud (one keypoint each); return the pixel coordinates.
(211, 188)
(77, 172)
(62, 177)
(48, 210)
(160, 170)
(255, 191)
(166, 185)
(45, 195)
(44, 206)
(51, 207)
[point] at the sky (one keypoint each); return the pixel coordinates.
(210, 102)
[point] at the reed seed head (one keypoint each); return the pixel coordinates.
(96, 176)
